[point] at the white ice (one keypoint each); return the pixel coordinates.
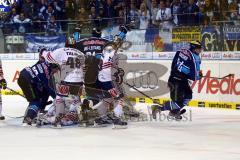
(212, 134)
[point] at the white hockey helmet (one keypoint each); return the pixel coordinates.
(48, 57)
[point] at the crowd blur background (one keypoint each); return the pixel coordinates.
(56, 17)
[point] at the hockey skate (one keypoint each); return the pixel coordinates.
(27, 121)
(57, 123)
(117, 122)
(42, 120)
(176, 114)
(102, 121)
(156, 108)
(2, 117)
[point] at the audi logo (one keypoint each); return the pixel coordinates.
(142, 79)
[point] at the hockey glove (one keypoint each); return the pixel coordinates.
(3, 84)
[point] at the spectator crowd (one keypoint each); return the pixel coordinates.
(52, 16)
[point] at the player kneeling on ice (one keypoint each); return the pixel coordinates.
(185, 67)
(33, 80)
(69, 81)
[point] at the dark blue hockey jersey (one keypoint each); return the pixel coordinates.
(39, 76)
(186, 65)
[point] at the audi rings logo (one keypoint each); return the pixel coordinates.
(143, 79)
(146, 77)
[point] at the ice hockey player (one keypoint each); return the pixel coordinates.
(92, 48)
(3, 85)
(33, 80)
(70, 81)
(44, 94)
(185, 67)
(99, 60)
(107, 82)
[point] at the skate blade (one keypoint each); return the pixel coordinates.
(26, 125)
(56, 127)
(95, 125)
(119, 126)
(174, 118)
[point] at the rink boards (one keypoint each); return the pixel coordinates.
(150, 77)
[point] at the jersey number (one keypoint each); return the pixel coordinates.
(73, 62)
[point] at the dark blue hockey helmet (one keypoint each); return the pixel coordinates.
(96, 32)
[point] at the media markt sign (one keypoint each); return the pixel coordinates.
(5, 5)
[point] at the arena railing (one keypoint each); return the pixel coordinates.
(223, 36)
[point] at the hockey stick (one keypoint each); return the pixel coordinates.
(229, 75)
(17, 93)
(131, 86)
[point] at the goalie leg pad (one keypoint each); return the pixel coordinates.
(118, 109)
(60, 105)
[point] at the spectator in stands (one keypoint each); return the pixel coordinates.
(200, 15)
(192, 11)
(164, 16)
(93, 17)
(211, 10)
(28, 9)
(154, 10)
(223, 6)
(168, 3)
(133, 16)
(22, 23)
(11, 15)
(52, 27)
(121, 17)
(49, 13)
(177, 10)
(206, 21)
(234, 16)
(17, 6)
(38, 7)
(58, 6)
(69, 9)
(144, 16)
(82, 16)
(109, 11)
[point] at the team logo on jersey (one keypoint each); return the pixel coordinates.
(63, 90)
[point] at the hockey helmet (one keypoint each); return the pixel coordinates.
(48, 57)
(96, 32)
(195, 45)
(41, 58)
(70, 42)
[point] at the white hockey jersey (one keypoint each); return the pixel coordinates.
(108, 63)
(71, 62)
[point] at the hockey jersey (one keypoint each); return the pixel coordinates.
(108, 64)
(39, 76)
(71, 62)
(186, 65)
(92, 48)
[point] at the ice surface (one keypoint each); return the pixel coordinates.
(212, 134)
